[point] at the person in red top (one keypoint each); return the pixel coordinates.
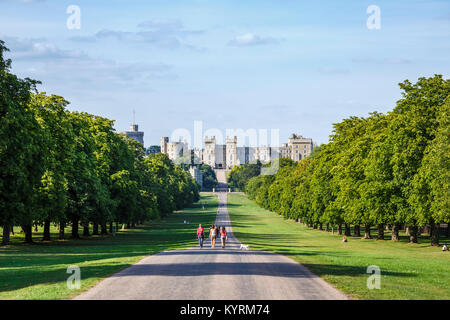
(223, 236)
(200, 235)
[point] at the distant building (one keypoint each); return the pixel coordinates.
(197, 175)
(135, 134)
(299, 147)
(174, 150)
(230, 155)
(231, 149)
(164, 142)
(284, 151)
(198, 156)
(209, 152)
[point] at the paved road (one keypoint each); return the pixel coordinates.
(216, 274)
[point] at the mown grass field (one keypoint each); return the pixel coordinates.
(408, 271)
(39, 271)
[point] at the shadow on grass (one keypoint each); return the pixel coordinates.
(275, 269)
(23, 265)
(30, 277)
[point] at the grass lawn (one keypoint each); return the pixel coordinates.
(408, 271)
(39, 271)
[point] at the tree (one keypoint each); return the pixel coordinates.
(412, 128)
(377, 189)
(50, 112)
(82, 179)
(384, 169)
(209, 177)
(240, 175)
(431, 190)
(21, 150)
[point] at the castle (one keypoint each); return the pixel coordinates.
(135, 134)
(229, 155)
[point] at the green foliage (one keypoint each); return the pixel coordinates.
(22, 148)
(209, 177)
(239, 176)
(431, 186)
(383, 169)
(410, 271)
(64, 167)
(39, 272)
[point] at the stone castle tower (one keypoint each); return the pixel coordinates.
(164, 142)
(209, 152)
(231, 153)
(135, 134)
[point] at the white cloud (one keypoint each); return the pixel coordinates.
(250, 39)
(39, 49)
(168, 34)
(51, 64)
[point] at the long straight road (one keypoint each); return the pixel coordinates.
(214, 274)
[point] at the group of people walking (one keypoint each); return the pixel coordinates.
(214, 232)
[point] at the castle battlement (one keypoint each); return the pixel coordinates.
(229, 155)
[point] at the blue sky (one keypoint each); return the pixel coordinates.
(296, 66)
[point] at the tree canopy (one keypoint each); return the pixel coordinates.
(384, 169)
(73, 168)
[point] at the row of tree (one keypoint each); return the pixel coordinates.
(240, 175)
(72, 168)
(385, 169)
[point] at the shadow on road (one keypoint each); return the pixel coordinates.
(273, 269)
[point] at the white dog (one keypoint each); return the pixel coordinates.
(243, 246)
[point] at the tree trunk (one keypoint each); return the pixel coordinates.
(314, 226)
(75, 234)
(413, 234)
(133, 225)
(419, 231)
(12, 229)
(104, 231)
(86, 230)
(95, 229)
(320, 226)
(6, 231)
(448, 230)
(61, 230)
(128, 226)
(339, 229)
(28, 229)
(435, 234)
(327, 227)
(111, 227)
(46, 236)
(117, 226)
(380, 232)
(347, 230)
(357, 230)
(367, 231)
(395, 229)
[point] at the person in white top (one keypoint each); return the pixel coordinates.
(213, 235)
